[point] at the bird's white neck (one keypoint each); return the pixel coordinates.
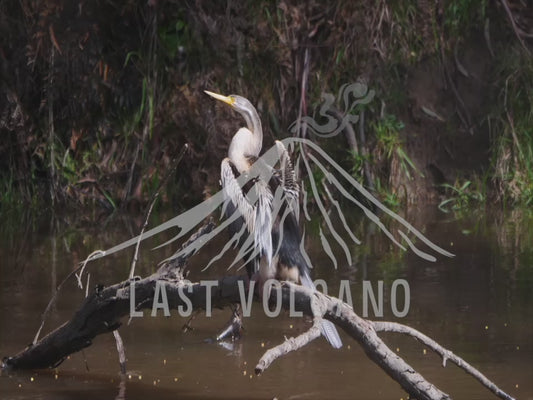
(244, 145)
(247, 142)
(253, 122)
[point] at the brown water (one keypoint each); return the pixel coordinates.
(478, 304)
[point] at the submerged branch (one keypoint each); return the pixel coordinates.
(102, 311)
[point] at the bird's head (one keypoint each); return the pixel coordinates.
(238, 103)
(242, 106)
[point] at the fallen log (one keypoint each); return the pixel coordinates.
(102, 312)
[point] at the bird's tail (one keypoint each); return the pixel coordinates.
(328, 329)
(330, 333)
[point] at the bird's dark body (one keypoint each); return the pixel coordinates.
(284, 226)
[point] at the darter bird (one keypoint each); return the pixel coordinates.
(267, 203)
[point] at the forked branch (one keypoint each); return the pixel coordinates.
(102, 311)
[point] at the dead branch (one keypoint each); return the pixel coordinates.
(446, 354)
(363, 332)
(102, 311)
(293, 344)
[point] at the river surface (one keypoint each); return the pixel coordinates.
(478, 304)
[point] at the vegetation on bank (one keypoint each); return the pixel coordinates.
(99, 98)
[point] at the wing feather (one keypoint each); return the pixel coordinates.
(289, 181)
(255, 207)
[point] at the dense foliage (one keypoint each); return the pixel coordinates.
(99, 97)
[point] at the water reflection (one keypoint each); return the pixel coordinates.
(478, 304)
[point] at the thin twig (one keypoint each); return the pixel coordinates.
(136, 254)
(87, 284)
(127, 189)
(155, 196)
(486, 33)
(513, 23)
(81, 266)
(466, 119)
(302, 126)
(51, 130)
(121, 351)
(362, 140)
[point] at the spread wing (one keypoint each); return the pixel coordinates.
(255, 207)
(337, 185)
(288, 178)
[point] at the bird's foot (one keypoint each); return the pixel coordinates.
(233, 328)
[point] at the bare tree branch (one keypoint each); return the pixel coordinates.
(446, 354)
(102, 310)
(363, 332)
(292, 344)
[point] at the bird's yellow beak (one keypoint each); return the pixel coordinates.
(226, 99)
